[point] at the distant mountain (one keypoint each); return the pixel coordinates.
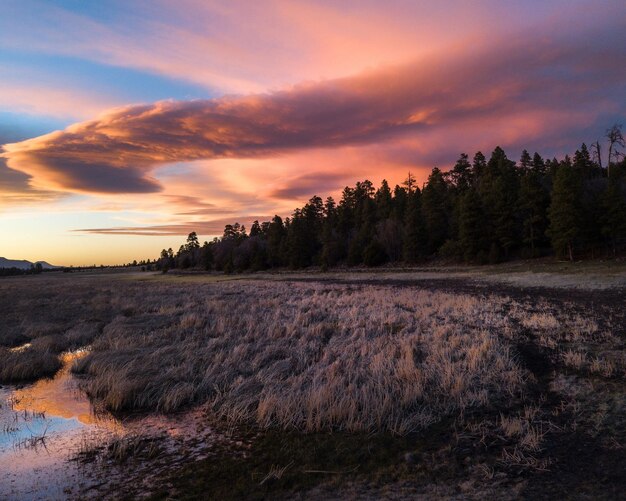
(23, 264)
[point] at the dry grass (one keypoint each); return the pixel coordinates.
(575, 359)
(309, 357)
(306, 356)
(27, 365)
(46, 317)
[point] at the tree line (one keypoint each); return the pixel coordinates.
(480, 211)
(34, 269)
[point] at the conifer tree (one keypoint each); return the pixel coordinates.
(614, 205)
(533, 204)
(479, 164)
(498, 191)
(414, 231)
(539, 166)
(525, 161)
(565, 211)
(471, 236)
(384, 200)
(435, 210)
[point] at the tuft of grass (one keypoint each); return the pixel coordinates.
(28, 364)
(575, 359)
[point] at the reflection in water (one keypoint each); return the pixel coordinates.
(59, 397)
(41, 426)
(45, 424)
(20, 348)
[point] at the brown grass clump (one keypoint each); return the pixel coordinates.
(27, 365)
(309, 357)
(575, 359)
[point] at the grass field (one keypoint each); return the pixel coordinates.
(485, 382)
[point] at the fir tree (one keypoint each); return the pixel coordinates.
(435, 210)
(471, 237)
(414, 232)
(565, 211)
(533, 204)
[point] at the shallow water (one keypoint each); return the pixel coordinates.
(42, 425)
(46, 425)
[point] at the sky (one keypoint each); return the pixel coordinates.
(126, 125)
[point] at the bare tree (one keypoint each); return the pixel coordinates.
(596, 151)
(615, 137)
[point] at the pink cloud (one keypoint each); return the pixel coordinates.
(419, 113)
(210, 227)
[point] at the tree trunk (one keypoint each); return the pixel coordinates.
(569, 249)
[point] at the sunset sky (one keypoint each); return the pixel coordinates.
(127, 124)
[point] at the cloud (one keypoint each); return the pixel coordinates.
(212, 227)
(16, 190)
(521, 88)
(28, 97)
(187, 205)
(242, 46)
(308, 185)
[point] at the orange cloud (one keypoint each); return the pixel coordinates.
(515, 91)
(211, 227)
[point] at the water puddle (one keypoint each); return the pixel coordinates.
(41, 426)
(53, 445)
(17, 349)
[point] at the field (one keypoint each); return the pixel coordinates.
(458, 383)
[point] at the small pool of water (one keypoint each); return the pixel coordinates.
(47, 425)
(42, 425)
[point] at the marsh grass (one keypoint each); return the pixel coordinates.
(117, 448)
(367, 361)
(302, 356)
(307, 357)
(27, 365)
(40, 321)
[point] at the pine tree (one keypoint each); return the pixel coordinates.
(583, 162)
(533, 203)
(614, 205)
(255, 229)
(539, 166)
(435, 209)
(499, 192)
(565, 211)
(471, 237)
(383, 200)
(276, 235)
(525, 161)
(461, 175)
(414, 232)
(479, 164)
(399, 203)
